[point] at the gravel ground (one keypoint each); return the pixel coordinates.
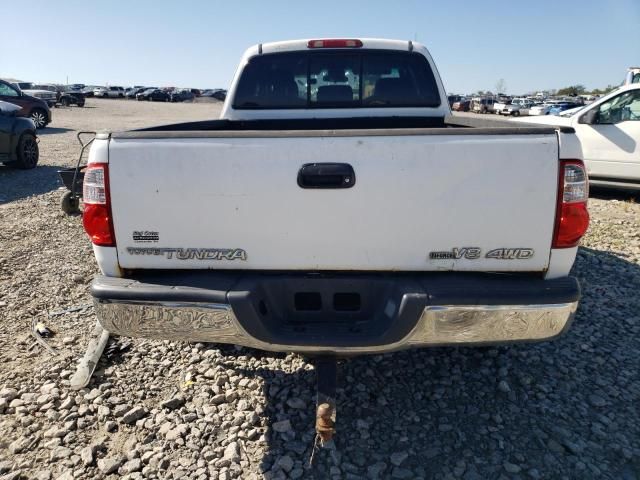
(562, 410)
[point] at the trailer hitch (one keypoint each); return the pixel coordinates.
(326, 375)
(326, 380)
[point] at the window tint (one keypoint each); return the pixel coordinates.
(7, 91)
(337, 79)
(273, 81)
(398, 80)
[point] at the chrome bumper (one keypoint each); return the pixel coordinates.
(436, 326)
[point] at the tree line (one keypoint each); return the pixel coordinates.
(575, 90)
(570, 91)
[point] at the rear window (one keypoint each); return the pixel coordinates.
(337, 79)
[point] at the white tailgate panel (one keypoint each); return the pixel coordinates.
(413, 195)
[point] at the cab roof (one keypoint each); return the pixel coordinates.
(302, 45)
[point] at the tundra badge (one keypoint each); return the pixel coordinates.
(191, 253)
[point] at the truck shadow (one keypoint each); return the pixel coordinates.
(604, 193)
(18, 184)
(53, 130)
(544, 410)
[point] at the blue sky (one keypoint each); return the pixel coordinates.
(531, 44)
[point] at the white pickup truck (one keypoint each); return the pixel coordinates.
(337, 208)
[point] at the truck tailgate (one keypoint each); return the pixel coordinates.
(429, 202)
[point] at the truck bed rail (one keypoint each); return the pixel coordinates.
(340, 127)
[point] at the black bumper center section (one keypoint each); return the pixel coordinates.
(327, 310)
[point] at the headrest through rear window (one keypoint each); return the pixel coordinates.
(335, 93)
(283, 85)
(394, 89)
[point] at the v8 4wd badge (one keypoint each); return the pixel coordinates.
(510, 253)
(474, 253)
(470, 253)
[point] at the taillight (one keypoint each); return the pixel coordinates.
(335, 43)
(572, 217)
(96, 216)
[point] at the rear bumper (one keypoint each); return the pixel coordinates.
(337, 313)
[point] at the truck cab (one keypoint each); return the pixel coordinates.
(324, 80)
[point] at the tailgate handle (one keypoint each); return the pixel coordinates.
(326, 175)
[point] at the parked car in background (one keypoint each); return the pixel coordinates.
(461, 105)
(88, 91)
(32, 107)
(46, 95)
(511, 106)
(609, 134)
(499, 105)
(217, 93)
(133, 91)
(182, 95)
(72, 97)
(482, 105)
(523, 103)
(511, 109)
(561, 107)
(571, 111)
(159, 96)
(23, 85)
(153, 95)
(18, 143)
(540, 109)
(109, 92)
(589, 98)
(453, 99)
(56, 89)
(116, 92)
(64, 96)
(143, 94)
(577, 100)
